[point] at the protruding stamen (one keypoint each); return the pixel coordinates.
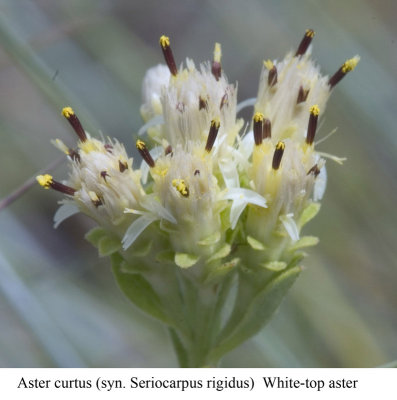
(202, 103)
(314, 170)
(305, 43)
(196, 172)
(180, 106)
(69, 114)
(272, 76)
(311, 129)
(123, 165)
(267, 129)
(278, 155)
(104, 175)
(348, 66)
(96, 200)
(168, 150)
(258, 128)
(213, 132)
(108, 148)
(168, 56)
(181, 187)
(48, 182)
(216, 68)
(74, 155)
(302, 95)
(224, 100)
(143, 150)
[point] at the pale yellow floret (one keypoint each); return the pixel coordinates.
(217, 52)
(161, 171)
(216, 123)
(44, 180)
(67, 112)
(350, 64)
(164, 41)
(268, 64)
(88, 146)
(93, 196)
(258, 117)
(315, 110)
(61, 146)
(140, 145)
(181, 187)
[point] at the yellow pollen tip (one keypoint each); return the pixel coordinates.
(164, 41)
(216, 123)
(268, 64)
(350, 64)
(258, 117)
(44, 180)
(181, 187)
(280, 146)
(310, 33)
(217, 52)
(314, 110)
(67, 112)
(140, 145)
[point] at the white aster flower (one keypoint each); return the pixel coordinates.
(102, 180)
(155, 80)
(202, 179)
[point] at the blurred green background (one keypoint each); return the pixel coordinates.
(59, 305)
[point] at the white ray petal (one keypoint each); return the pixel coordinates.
(65, 211)
(290, 226)
(320, 184)
(249, 196)
(136, 228)
(229, 173)
(245, 103)
(157, 120)
(152, 205)
(236, 210)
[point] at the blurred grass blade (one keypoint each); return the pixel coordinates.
(25, 304)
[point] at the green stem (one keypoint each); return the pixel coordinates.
(203, 309)
(180, 350)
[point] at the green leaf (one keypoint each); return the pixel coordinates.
(308, 213)
(255, 244)
(138, 290)
(221, 253)
(141, 249)
(167, 256)
(258, 313)
(275, 265)
(304, 241)
(179, 349)
(212, 239)
(108, 245)
(95, 235)
(218, 272)
(185, 260)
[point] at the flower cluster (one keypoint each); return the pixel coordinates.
(209, 198)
